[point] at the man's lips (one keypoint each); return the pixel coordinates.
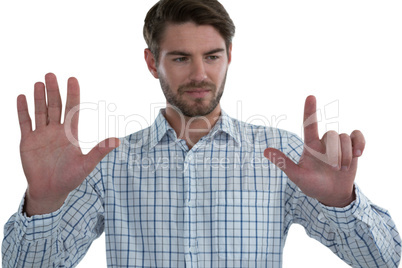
(198, 93)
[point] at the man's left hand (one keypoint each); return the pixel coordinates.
(327, 167)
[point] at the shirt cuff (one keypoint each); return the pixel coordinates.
(37, 227)
(346, 218)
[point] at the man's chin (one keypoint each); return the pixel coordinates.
(195, 111)
(197, 107)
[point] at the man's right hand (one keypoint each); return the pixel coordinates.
(52, 163)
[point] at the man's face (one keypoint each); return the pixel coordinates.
(192, 67)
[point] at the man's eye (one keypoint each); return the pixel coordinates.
(213, 57)
(181, 59)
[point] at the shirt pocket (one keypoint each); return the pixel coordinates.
(240, 221)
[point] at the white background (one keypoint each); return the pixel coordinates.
(347, 53)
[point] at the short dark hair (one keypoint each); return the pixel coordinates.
(201, 12)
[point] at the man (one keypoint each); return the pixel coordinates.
(164, 197)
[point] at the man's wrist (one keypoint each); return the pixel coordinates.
(341, 203)
(39, 207)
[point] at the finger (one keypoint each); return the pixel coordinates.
(358, 143)
(332, 149)
(347, 152)
(353, 164)
(71, 114)
(99, 152)
(310, 120)
(40, 105)
(23, 115)
(53, 98)
(283, 162)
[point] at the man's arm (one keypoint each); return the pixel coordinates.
(326, 201)
(361, 233)
(54, 166)
(57, 239)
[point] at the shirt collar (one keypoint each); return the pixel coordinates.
(227, 125)
(161, 127)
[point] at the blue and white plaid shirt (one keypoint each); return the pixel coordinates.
(220, 204)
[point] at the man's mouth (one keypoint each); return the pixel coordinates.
(198, 93)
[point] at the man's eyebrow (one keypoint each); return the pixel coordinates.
(178, 53)
(183, 53)
(217, 50)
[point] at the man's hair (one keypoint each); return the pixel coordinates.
(201, 12)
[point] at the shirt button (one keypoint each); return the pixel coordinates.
(321, 217)
(361, 213)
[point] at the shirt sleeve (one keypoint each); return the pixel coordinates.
(361, 234)
(58, 239)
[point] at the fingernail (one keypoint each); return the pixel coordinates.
(344, 168)
(335, 166)
(358, 152)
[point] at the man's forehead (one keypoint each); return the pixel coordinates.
(185, 52)
(188, 36)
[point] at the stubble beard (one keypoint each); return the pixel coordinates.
(192, 109)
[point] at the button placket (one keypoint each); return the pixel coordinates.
(190, 216)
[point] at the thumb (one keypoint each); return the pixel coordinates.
(99, 152)
(282, 161)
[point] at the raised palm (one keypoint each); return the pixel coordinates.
(51, 157)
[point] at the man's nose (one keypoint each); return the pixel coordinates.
(198, 71)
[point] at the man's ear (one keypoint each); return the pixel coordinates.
(151, 62)
(230, 54)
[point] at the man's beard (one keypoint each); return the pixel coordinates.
(192, 109)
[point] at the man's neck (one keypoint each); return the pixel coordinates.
(191, 129)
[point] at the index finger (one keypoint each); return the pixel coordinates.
(310, 120)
